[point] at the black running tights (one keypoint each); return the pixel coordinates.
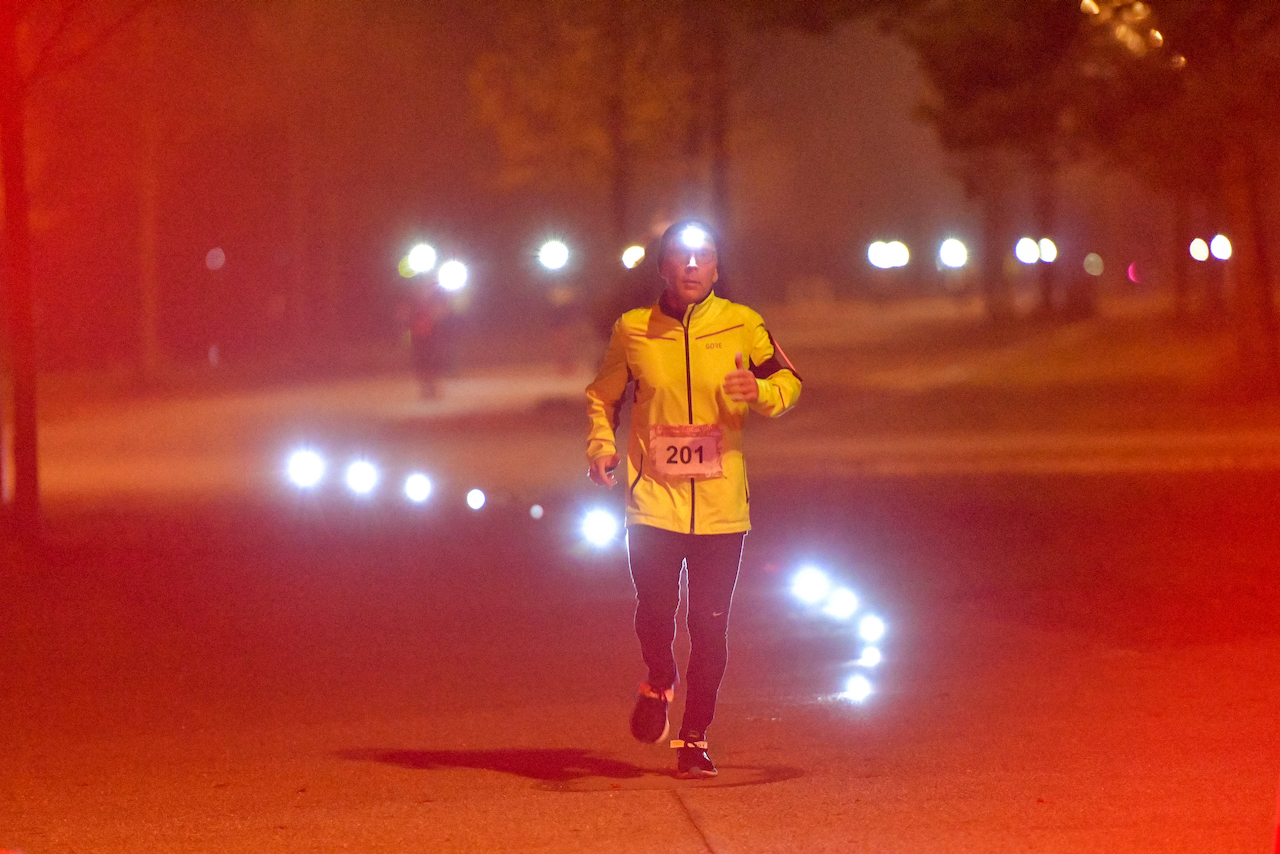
(711, 560)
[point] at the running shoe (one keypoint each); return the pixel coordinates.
(649, 718)
(692, 761)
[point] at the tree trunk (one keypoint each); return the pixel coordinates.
(1044, 207)
(299, 151)
(1256, 320)
(1269, 325)
(708, 139)
(996, 288)
(299, 303)
(151, 356)
(719, 90)
(17, 231)
(332, 278)
(1182, 233)
(616, 125)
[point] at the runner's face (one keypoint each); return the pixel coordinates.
(689, 271)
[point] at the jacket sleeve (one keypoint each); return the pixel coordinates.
(776, 377)
(604, 396)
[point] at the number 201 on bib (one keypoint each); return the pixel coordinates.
(686, 450)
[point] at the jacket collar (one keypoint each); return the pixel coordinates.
(688, 314)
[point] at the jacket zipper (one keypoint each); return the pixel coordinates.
(688, 385)
(639, 474)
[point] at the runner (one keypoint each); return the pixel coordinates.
(699, 363)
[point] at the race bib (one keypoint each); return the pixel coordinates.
(692, 450)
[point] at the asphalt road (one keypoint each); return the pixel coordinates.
(1073, 662)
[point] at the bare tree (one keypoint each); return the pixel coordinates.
(37, 40)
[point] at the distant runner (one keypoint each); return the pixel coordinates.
(699, 363)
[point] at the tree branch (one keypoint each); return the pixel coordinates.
(1266, 21)
(51, 43)
(52, 68)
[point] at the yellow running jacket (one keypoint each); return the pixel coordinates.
(679, 365)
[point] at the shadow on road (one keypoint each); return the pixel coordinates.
(570, 769)
(550, 765)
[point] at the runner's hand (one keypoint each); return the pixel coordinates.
(601, 470)
(740, 384)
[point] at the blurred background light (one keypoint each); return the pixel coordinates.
(362, 477)
(1093, 264)
(871, 629)
(841, 604)
(1220, 247)
(215, 258)
(810, 585)
(1199, 249)
(305, 468)
(1048, 250)
(453, 275)
(1132, 273)
(886, 256)
(475, 499)
(1027, 251)
(421, 259)
(953, 253)
(871, 656)
(599, 527)
(631, 256)
(876, 254)
(857, 689)
(417, 487)
(553, 255)
(899, 255)
(536, 511)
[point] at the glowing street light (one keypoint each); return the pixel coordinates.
(858, 689)
(305, 468)
(599, 527)
(1199, 249)
(876, 255)
(1027, 251)
(553, 255)
(810, 585)
(452, 275)
(871, 629)
(631, 256)
(841, 604)
(475, 499)
(952, 253)
(1048, 251)
(871, 657)
(886, 256)
(417, 487)
(1220, 246)
(362, 477)
(421, 259)
(1093, 264)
